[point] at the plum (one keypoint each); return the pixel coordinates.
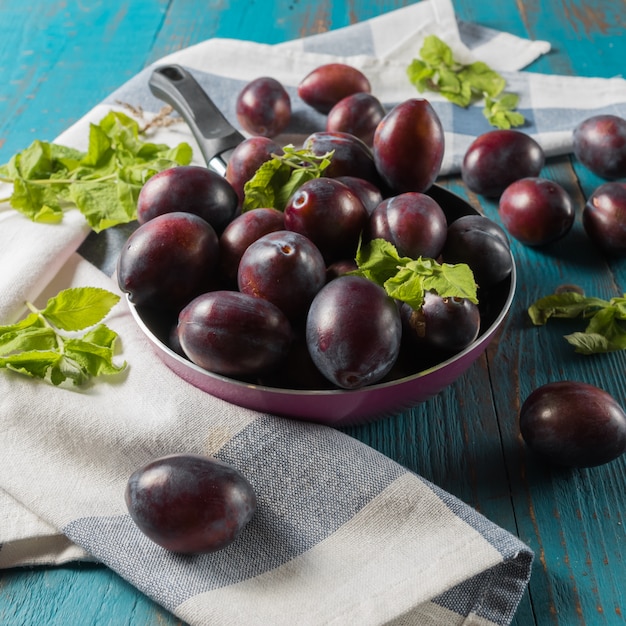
(190, 189)
(189, 503)
(327, 84)
(604, 217)
(263, 107)
(358, 114)
(408, 146)
(353, 332)
(413, 222)
(497, 158)
(168, 260)
(600, 145)
(285, 268)
(233, 333)
(536, 211)
(573, 424)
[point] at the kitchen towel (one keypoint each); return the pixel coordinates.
(342, 533)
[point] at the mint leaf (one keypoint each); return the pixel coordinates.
(606, 328)
(463, 84)
(379, 261)
(94, 352)
(277, 179)
(79, 307)
(24, 340)
(500, 112)
(452, 281)
(420, 74)
(34, 363)
(37, 347)
(100, 149)
(435, 52)
(408, 279)
(483, 79)
(570, 305)
(103, 204)
(103, 182)
(38, 203)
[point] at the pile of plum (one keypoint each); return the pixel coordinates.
(506, 165)
(269, 295)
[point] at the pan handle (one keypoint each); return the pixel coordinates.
(214, 134)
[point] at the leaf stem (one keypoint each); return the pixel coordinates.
(47, 324)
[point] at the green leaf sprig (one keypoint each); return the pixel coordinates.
(606, 329)
(409, 279)
(103, 182)
(65, 340)
(463, 84)
(277, 179)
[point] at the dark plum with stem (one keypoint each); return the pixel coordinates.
(168, 260)
(536, 211)
(353, 332)
(358, 114)
(326, 85)
(497, 158)
(329, 214)
(600, 145)
(447, 325)
(263, 107)
(244, 230)
(573, 424)
(246, 159)
(233, 333)
(604, 217)
(483, 245)
(190, 189)
(190, 504)
(408, 146)
(413, 222)
(285, 268)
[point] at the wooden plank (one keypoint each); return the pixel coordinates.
(62, 58)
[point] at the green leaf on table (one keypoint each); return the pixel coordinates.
(37, 202)
(407, 279)
(103, 182)
(483, 79)
(95, 351)
(606, 326)
(463, 84)
(78, 308)
(27, 339)
(38, 345)
(500, 112)
(570, 304)
(34, 363)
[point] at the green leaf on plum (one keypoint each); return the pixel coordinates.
(103, 182)
(277, 179)
(407, 279)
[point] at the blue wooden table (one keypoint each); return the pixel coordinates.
(58, 59)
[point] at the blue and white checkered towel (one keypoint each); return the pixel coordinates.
(342, 534)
